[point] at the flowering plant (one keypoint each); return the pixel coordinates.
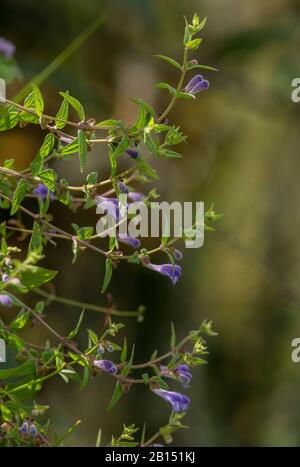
(151, 135)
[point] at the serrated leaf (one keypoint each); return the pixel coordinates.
(62, 113)
(34, 101)
(48, 177)
(37, 164)
(9, 119)
(142, 116)
(75, 104)
(70, 148)
(18, 197)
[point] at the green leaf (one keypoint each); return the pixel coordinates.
(35, 276)
(122, 147)
(38, 100)
(185, 95)
(92, 178)
(167, 87)
(62, 113)
(75, 104)
(110, 123)
(202, 67)
(85, 378)
(152, 144)
(36, 239)
(26, 369)
(146, 169)
(84, 233)
(9, 163)
(173, 336)
(82, 149)
(124, 351)
(108, 274)
(37, 164)
(168, 154)
(70, 148)
(48, 177)
(18, 197)
(73, 333)
(142, 116)
(34, 101)
(9, 119)
(169, 60)
(112, 160)
(21, 320)
(117, 394)
(193, 44)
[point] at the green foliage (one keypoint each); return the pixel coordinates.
(151, 136)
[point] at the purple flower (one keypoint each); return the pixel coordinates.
(132, 153)
(177, 254)
(110, 205)
(24, 428)
(5, 277)
(172, 271)
(101, 349)
(5, 300)
(42, 192)
(106, 365)
(33, 430)
(180, 402)
(135, 196)
(7, 48)
(128, 240)
(196, 84)
(180, 372)
(122, 187)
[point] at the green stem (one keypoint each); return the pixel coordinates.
(87, 306)
(178, 89)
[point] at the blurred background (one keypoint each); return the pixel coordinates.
(242, 155)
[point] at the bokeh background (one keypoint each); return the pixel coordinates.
(242, 155)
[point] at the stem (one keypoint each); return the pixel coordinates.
(179, 86)
(164, 356)
(40, 220)
(87, 306)
(150, 440)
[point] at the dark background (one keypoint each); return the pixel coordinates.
(242, 154)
